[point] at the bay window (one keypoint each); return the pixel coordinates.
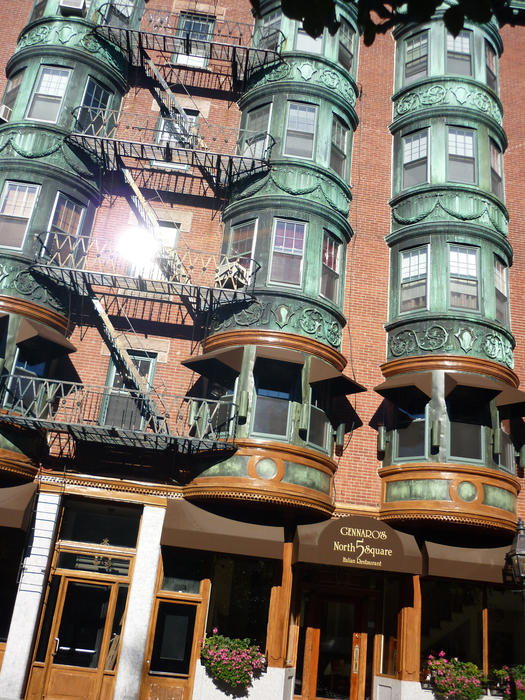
(287, 252)
(501, 290)
(459, 57)
(300, 130)
(330, 268)
(277, 385)
(461, 155)
(48, 94)
(413, 279)
(16, 207)
(415, 158)
(346, 45)
(496, 170)
(416, 57)
(463, 277)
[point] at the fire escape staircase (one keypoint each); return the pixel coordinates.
(110, 137)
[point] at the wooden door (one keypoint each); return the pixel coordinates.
(332, 649)
(75, 643)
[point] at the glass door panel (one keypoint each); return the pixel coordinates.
(173, 638)
(335, 649)
(82, 625)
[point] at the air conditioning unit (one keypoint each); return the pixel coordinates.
(73, 7)
(5, 113)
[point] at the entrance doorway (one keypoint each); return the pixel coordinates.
(79, 640)
(334, 659)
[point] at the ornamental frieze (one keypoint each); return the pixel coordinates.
(291, 317)
(16, 279)
(300, 182)
(313, 72)
(76, 35)
(456, 94)
(450, 337)
(450, 206)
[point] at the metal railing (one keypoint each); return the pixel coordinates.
(176, 134)
(59, 405)
(177, 266)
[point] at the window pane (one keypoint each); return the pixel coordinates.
(318, 428)
(461, 159)
(500, 284)
(338, 149)
(277, 384)
(307, 43)
(100, 523)
(463, 264)
(300, 130)
(416, 57)
(468, 412)
(256, 137)
(67, 216)
(458, 53)
(92, 114)
(506, 638)
(287, 253)
(410, 430)
(173, 638)
(490, 57)
(241, 245)
(496, 180)
(48, 93)
(415, 159)
(11, 91)
(346, 45)
(330, 268)
(271, 416)
(18, 200)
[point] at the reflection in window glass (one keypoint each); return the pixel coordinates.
(416, 57)
(48, 93)
(415, 151)
(307, 43)
(454, 625)
(287, 252)
(183, 569)
(100, 523)
(463, 270)
(413, 287)
(458, 53)
(240, 597)
(300, 130)
(461, 157)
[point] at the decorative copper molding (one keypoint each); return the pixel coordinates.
(451, 363)
(16, 464)
(122, 490)
(285, 451)
(29, 309)
(455, 510)
(258, 490)
(284, 340)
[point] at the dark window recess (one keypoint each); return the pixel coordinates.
(101, 523)
(277, 384)
(410, 432)
(240, 597)
(469, 413)
(48, 619)
(127, 408)
(10, 558)
(173, 638)
(183, 569)
(38, 10)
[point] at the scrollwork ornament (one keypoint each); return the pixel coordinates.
(333, 334)
(498, 348)
(38, 35)
(429, 339)
(311, 321)
(250, 315)
(330, 79)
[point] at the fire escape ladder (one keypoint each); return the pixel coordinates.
(130, 374)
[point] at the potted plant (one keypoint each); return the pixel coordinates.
(232, 663)
(504, 678)
(452, 678)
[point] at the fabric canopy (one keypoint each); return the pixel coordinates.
(16, 506)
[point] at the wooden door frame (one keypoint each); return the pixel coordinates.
(65, 580)
(312, 638)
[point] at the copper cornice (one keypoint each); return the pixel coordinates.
(450, 363)
(284, 340)
(29, 309)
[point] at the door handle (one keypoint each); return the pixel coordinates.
(57, 642)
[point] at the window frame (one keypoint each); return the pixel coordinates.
(455, 54)
(116, 391)
(483, 428)
(98, 85)
(328, 236)
(410, 79)
(315, 404)
(294, 103)
(504, 294)
(317, 43)
(252, 142)
(496, 173)
(414, 278)
(461, 158)
(346, 47)
(459, 276)
(296, 285)
(193, 116)
(491, 76)
(3, 196)
(35, 93)
(335, 148)
(269, 27)
(409, 165)
(418, 418)
(293, 397)
(11, 93)
(193, 59)
(239, 225)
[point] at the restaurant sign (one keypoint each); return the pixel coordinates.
(357, 542)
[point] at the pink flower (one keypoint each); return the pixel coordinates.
(215, 630)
